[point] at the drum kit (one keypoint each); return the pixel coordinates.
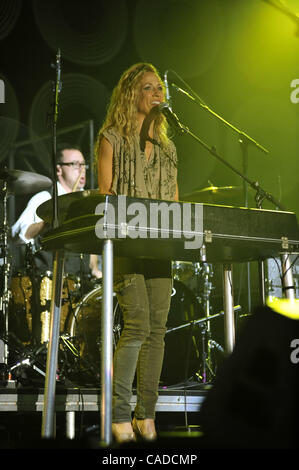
(190, 350)
(15, 182)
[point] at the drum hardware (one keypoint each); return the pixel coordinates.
(23, 356)
(196, 322)
(212, 344)
(27, 362)
(182, 270)
(35, 359)
(74, 366)
(68, 358)
(30, 298)
(15, 182)
(67, 341)
(208, 372)
(202, 273)
(5, 292)
(275, 270)
(30, 302)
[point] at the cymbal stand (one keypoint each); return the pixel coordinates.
(237, 308)
(5, 292)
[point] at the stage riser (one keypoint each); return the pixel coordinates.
(18, 402)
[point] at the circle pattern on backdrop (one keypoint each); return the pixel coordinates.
(81, 98)
(9, 14)
(185, 36)
(87, 34)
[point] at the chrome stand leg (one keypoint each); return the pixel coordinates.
(229, 318)
(107, 344)
(70, 424)
(48, 421)
(262, 282)
(287, 276)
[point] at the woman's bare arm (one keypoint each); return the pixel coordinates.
(105, 162)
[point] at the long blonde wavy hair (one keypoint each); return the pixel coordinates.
(122, 110)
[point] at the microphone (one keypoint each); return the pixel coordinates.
(58, 69)
(171, 117)
(168, 98)
(145, 127)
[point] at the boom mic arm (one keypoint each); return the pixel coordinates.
(171, 117)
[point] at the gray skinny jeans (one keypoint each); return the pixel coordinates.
(145, 305)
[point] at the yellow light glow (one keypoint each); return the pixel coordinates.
(291, 5)
(286, 307)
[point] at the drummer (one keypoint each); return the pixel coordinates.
(28, 229)
(71, 176)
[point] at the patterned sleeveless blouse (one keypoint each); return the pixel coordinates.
(135, 176)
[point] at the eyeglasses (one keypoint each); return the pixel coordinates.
(75, 165)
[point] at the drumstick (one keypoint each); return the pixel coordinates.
(77, 181)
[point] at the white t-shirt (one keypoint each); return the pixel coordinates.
(29, 215)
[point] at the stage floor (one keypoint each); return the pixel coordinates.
(21, 416)
(28, 399)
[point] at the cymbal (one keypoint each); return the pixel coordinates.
(71, 204)
(24, 182)
(231, 195)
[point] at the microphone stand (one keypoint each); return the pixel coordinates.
(244, 140)
(48, 418)
(261, 194)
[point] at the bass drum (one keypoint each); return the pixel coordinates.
(181, 355)
(85, 332)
